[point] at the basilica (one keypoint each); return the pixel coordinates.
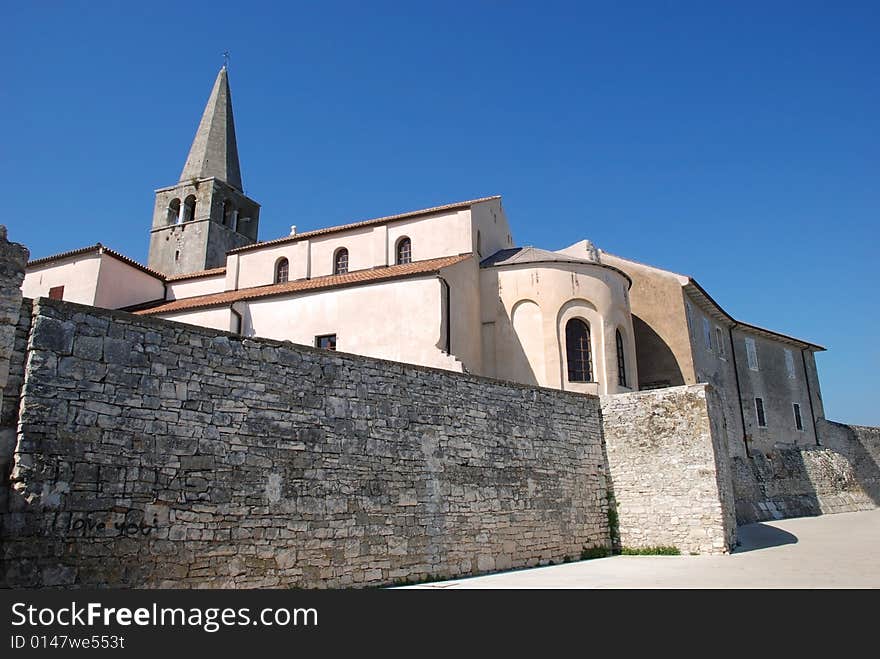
(444, 287)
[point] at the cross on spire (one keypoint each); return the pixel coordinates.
(225, 59)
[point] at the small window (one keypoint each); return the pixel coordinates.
(577, 351)
(789, 363)
(404, 251)
(177, 255)
(621, 361)
(173, 216)
(282, 271)
(798, 422)
(340, 262)
(189, 208)
(689, 315)
(719, 339)
(759, 409)
(56, 293)
(479, 243)
(752, 354)
(326, 341)
(707, 334)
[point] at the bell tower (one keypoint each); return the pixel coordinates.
(204, 215)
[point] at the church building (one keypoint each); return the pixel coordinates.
(442, 287)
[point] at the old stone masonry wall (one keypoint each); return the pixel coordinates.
(155, 454)
(842, 475)
(14, 321)
(13, 258)
(670, 470)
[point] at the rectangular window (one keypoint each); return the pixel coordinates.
(752, 354)
(789, 363)
(759, 408)
(326, 341)
(798, 423)
(689, 314)
(719, 339)
(56, 293)
(707, 334)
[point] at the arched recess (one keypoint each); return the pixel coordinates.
(189, 208)
(586, 311)
(620, 320)
(526, 358)
(173, 212)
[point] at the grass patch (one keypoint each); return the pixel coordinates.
(613, 522)
(662, 550)
(594, 552)
(397, 583)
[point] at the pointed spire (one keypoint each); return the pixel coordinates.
(214, 151)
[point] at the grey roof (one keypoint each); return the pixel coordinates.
(214, 151)
(520, 255)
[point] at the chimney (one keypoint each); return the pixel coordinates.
(292, 229)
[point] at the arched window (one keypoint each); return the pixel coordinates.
(577, 351)
(404, 251)
(173, 216)
(189, 208)
(282, 271)
(340, 261)
(621, 360)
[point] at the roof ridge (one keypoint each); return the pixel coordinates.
(97, 247)
(362, 223)
(739, 323)
(199, 273)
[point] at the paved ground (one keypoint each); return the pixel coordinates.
(832, 551)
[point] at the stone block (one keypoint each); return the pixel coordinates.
(117, 350)
(52, 335)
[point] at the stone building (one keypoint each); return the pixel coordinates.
(442, 287)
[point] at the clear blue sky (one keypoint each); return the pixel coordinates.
(737, 142)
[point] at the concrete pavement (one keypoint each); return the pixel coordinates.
(831, 551)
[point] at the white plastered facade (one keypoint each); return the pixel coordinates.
(525, 313)
(506, 322)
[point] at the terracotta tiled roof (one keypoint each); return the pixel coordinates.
(370, 276)
(97, 248)
(195, 275)
(364, 223)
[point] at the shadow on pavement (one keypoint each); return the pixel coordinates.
(761, 536)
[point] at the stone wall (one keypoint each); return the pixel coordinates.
(13, 332)
(155, 454)
(13, 258)
(668, 458)
(9, 399)
(840, 476)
